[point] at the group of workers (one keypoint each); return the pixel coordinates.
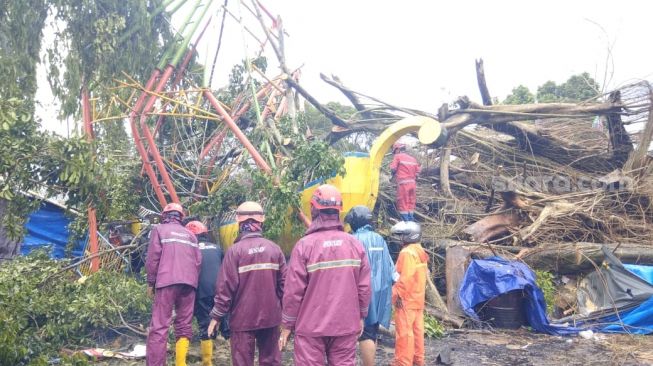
(335, 291)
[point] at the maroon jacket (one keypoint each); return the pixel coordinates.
(173, 256)
(250, 284)
(328, 282)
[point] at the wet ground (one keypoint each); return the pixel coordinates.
(476, 347)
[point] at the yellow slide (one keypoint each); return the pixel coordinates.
(360, 185)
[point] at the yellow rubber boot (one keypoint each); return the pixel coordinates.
(181, 350)
(206, 349)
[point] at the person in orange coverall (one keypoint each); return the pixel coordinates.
(408, 295)
(405, 169)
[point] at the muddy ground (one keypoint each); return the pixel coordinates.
(481, 347)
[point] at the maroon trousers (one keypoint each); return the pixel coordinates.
(181, 298)
(243, 346)
(339, 351)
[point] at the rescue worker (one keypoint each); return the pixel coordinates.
(211, 259)
(383, 275)
(405, 169)
(172, 266)
(327, 292)
(249, 290)
(408, 295)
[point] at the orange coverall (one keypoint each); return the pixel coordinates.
(409, 317)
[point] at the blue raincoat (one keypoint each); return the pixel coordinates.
(383, 276)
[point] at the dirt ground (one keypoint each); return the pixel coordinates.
(481, 347)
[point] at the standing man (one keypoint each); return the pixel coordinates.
(405, 169)
(408, 295)
(249, 290)
(327, 292)
(173, 266)
(211, 259)
(383, 276)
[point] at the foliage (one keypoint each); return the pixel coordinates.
(100, 40)
(310, 161)
(41, 312)
(577, 88)
(520, 95)
(432, 327)
(544, 281)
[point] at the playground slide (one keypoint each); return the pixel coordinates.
(360, 185)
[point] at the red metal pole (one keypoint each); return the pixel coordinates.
(150, 139)
(92, 219)
(138, 107)
(258, 159)
(245, 141)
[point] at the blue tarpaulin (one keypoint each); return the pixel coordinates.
(48, 228)
(638, 320)
(491, 277)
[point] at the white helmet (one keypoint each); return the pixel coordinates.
(408, 231)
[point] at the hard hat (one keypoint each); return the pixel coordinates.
(196, 227)
(398, 146)
(250, 210)
(326, 197)
(173, 207)
(408, 231)
(358, 216)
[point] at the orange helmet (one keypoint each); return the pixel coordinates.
(325, 197)
(196, 227)
(250, 210)
(398, 146)
(170, 207)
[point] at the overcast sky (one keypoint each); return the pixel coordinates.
(421, 54)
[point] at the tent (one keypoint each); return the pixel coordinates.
(617, 298)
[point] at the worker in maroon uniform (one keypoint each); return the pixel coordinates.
(249, 290)
(173, 267)
(405, 169)
(328, 291)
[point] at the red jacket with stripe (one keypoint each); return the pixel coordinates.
(173, 257)
(328, 282)
(250, 284)
(405, 168)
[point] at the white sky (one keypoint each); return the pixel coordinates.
(421, 54)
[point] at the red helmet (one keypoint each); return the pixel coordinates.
(398, 146)
(170, 207)
(327, 196)
(196, 227)
(250, 210)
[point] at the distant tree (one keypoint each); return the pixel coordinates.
(548, 92)
(520, 95)
(577, 88)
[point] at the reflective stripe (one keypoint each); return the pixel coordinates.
(258, 267)
(404, 181)
(178, 241)
(371, 249)
(333, 264)
(288, 317)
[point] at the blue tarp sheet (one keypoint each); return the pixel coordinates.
(491, 277)
(48, 228)
(638, 320)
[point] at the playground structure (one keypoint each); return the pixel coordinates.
(190, 138)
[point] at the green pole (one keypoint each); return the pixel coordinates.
(187, 37)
